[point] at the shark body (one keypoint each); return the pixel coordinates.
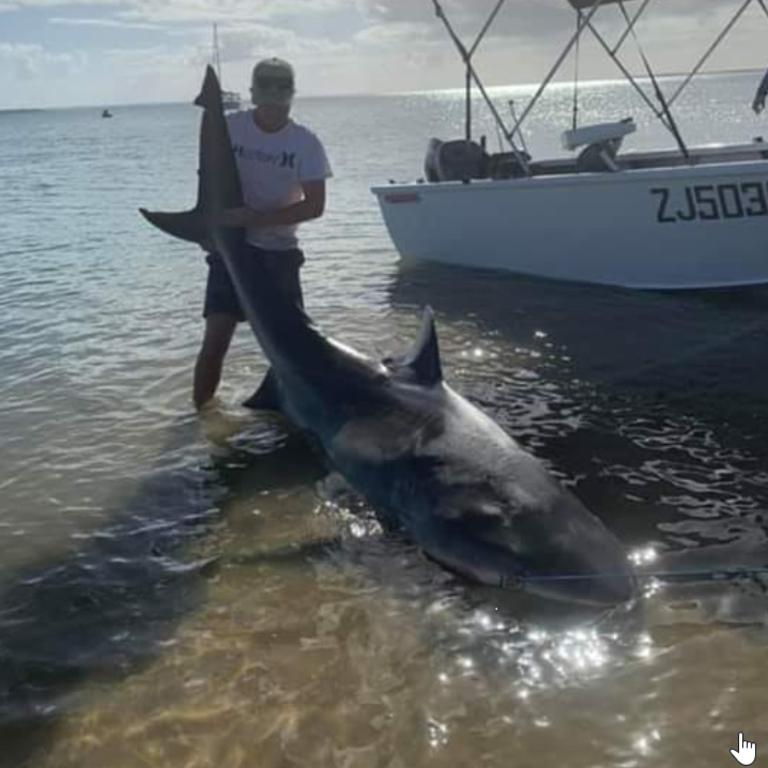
(429, 462)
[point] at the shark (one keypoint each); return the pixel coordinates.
(431, 464)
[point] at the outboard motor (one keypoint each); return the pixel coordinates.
(459, 160)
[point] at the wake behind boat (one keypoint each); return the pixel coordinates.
(682, 218)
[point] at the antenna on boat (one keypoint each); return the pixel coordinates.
(576, 59)
(472, 76)
(216, 55)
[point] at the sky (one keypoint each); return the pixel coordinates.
(57, 53)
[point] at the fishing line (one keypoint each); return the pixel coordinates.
(713, 574)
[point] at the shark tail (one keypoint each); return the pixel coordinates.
(187, 225)
(210, 93)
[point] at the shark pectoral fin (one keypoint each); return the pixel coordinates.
(267, 396)
(186, 225)
(424, 358)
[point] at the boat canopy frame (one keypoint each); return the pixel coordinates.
(585, 13)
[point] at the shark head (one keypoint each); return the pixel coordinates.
(555, 549)
(481, 505)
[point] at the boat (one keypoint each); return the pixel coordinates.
(676, 218)
(106, 113)
(230, 100)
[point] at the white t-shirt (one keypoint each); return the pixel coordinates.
(272, 167)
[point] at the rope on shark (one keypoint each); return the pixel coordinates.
(693, 574)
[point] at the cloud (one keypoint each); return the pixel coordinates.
(528, 35)
(29, 61)
(181, 11)
(394, 34)
(249, 41)
(541, 19)
(21, 4)
(343, 46)
(154, 59)
(226, 11)
(69, 21)
(468, 16)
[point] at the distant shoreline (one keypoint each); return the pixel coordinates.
(639, 78)
(21, 110)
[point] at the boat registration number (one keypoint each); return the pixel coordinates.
(710, 202)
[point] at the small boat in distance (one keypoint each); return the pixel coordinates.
(678, 218)
(106, 113)
(230, 100)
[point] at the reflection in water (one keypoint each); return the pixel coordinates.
(113, 603)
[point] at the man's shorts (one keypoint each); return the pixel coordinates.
(220, 295)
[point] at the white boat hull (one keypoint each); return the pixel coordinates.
(682, 227)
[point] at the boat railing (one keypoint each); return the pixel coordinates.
(586, 11)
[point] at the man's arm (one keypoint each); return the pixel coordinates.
(311, 207)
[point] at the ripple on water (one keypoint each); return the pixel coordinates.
(178, 591)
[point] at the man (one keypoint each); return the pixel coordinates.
(283, 168)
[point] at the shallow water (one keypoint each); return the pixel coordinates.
(187, 591)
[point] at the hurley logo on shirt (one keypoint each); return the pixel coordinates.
(279, 159)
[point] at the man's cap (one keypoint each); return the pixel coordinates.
(272, 82)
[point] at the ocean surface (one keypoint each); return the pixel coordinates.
(189, 591)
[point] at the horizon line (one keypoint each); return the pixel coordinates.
(389, 94)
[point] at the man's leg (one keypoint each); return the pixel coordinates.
(221, 312)
(219, 329)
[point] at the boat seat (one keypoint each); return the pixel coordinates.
(506, 165)
(459, 160)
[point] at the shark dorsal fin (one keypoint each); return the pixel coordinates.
(424, 357)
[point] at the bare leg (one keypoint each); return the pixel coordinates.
(219, 329)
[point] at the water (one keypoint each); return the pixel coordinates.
(190, 591)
